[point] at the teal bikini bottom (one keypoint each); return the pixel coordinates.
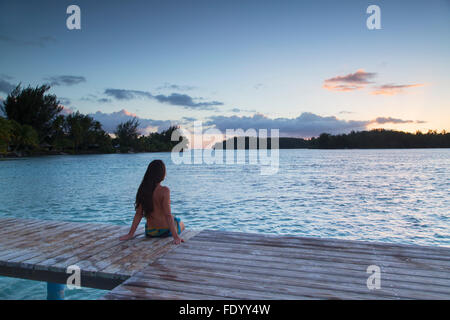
(163, 232)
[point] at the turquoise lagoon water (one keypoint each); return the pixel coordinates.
(399, 196)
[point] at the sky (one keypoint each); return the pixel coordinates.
(303, 67)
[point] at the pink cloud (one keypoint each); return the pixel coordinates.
(66, 111)
(349, 82)
(393, 89)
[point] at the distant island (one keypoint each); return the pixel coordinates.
(373, 139)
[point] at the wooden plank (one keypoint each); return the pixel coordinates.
(343, 285)
(42, 235)
(102, 258)
(431, 262)
(143, 293)
(24, 224)
(310, 258)
(6, 222)
(7, 219)
(258, 285)
(27, 242)
(314, 271)
(43, 242)
(438, 253)
(235, 292)
(67, 246)
(275, 266)
(309, 276)
(292, 241)
(326, 268)
(11, 235)
(316, 240)
(35, 232)
(148, 257)
(147, 252)
(87, 254)
(84, 248)
(112, 263)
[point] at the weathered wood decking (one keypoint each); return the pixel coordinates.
(220, 265)
(42, 250)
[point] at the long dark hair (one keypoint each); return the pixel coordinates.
(156, 171)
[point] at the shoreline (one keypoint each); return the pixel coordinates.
(22, 157)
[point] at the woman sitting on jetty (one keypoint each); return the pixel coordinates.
(153, 202)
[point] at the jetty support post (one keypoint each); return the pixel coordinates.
(55, 291)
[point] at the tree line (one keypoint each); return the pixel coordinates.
(373, 139)
(381, 138)
(33, 124)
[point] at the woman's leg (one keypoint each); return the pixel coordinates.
(182, 226)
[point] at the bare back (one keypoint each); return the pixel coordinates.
(161, 208)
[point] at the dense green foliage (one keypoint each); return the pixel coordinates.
(34, 125)
(378, 138)
(5, 134)
(128, 139)
(84, 133)
(32, 107)
(20, 137)
(127, 135)
(250, 143)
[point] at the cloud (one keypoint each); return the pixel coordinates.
(168, 86)
(39, 42)
(186, 101)
(176, 99)
(66, 111)
(349, 82)
(6, 86)
(65, 80)
(306, 125)
(6, 77)
(360, 79)
(123, 94)
(110, 121)
(393, 89)
(345, 112)
(238, 110)
(384, 120)
(65, 101)
(189, 119)
(94, 98)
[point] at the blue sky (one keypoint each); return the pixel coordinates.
(301, 66)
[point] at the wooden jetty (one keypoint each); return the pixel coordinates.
(219, 264)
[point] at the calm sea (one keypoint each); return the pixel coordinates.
(400, 196)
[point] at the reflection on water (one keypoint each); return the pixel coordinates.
(384, 195)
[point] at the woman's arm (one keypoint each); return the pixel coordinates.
(168, 215)
(136, 220)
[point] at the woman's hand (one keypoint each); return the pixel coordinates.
(177, 240)
(126, 237)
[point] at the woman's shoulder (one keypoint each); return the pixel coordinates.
(163, 190)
